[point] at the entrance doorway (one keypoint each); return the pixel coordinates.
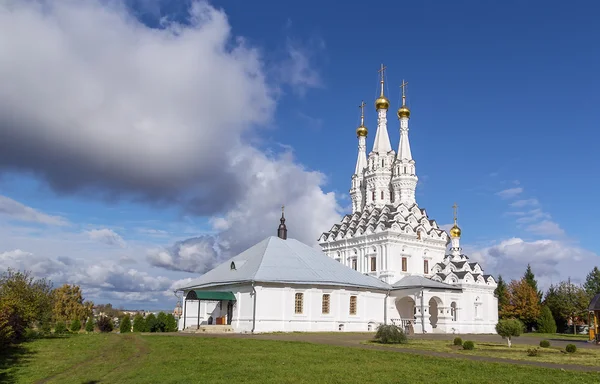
(229, 312)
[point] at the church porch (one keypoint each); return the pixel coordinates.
(208, 311)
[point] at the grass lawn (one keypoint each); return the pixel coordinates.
(557, 336)
(113, 358)
(583, 356)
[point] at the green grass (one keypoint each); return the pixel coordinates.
(137, 358)
(557, 336)
(555, 355)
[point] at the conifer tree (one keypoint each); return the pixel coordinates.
(592, 282)
(139, 324)
(546, 323)
(125, 326)
(501, 294)
(530, 279)
(89, 325)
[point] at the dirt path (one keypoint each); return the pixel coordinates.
(355, 340)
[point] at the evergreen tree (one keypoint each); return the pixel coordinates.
(171, 323)
(89, 325)
(139, 324)
(567, 301)
(125, 326)
(592, 282)
(161, 322)
(546, 323)
(75, 325)
(500, 293)
(530, 279)
(151, 323)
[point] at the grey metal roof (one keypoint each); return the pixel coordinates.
(595, 303)
(274, 260)
(415, 281)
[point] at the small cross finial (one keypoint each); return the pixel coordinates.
(455, 208)
(382, 71)
(282, 209)
(403, 86)
(362, 112)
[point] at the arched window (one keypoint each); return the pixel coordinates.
(453, 311)
(391, 197)
(382, 195)
(382, 163)
(373, 195)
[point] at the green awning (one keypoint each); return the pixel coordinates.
(210, 295)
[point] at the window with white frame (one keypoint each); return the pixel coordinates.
(299, 303)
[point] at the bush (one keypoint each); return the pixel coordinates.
(75, 325)
(533, 351)
(60, 328)
(125, 326)
(104, 324)
(457, 341)
(571, 348)
(171, 323)
(546, 323)
(390, 334)
(31, 334)
(89, 325)
(509, 328)
(468, 345)
(544, 344)
(139, 324)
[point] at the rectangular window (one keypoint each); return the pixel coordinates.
(382, 195)
(373, 195)
(354, 264)
(299, 303)
(404, 267)
(325, 304)
(426, 267)
(373, 264)
(353, 305)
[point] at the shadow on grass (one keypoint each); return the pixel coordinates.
(10, 357)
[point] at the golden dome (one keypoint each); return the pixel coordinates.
(455, 231)
(382, 102)
(362, 131)
(403, 111)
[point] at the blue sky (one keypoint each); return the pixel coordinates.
(136, 153)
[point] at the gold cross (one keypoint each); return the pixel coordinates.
(382, 71)
(404, 84)
(362, 109)
(455, 207)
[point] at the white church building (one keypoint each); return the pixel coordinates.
(384, 263)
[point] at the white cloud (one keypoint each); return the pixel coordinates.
(551, 260)
(533, 215)
(105, 103)
(510, 192)
(546, 228)
(524, 203)
(17, 211)
(106, 236)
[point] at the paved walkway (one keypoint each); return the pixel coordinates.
(355, 340)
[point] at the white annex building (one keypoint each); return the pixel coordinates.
(384, 263)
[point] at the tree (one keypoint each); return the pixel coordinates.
(25, 302)
(104, 324)
(546, 323)
(69, 304)
(75, 325)
(530, 278)
(108, 310)
(522, 302)
(171, 325)
(501, 294)
(509, 328)
(139, 324)
(567, 301)
(592, 282)
(161, 322)
(151, 323)
(125, 326)
(89, 325)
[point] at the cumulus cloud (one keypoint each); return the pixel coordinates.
(106, 236)
(546, 228)
(17, 211)
(107, 106)
(510, 192)
(550, 260)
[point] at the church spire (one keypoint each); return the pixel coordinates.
(382, 140)
(404, 179)
(356, 192)
(282, 230)
(455, 233)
